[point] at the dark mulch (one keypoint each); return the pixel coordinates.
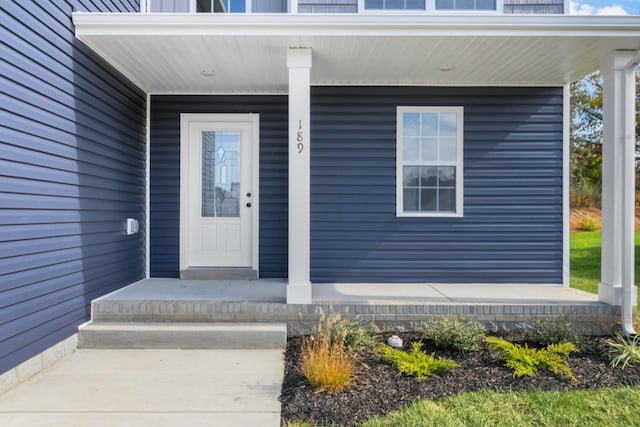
(376, 389)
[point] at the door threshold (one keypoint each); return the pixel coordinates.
(218, 273)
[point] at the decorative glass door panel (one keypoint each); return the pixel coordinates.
(220, 174)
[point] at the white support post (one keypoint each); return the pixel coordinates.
(299, 285)
(618, 183)
(566, 185)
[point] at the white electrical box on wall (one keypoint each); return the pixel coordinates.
(133, 226)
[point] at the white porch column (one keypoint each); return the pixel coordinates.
(299, 286)
(618, 183)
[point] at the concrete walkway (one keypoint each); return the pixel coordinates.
(151, 387)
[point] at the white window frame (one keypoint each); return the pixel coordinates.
(459, 111)
(430, 7)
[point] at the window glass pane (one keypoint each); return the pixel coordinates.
(410, 200)
(428, 202)
(447, 200)
(465, 4)
(429, 149)
(394, 4)
(411, 176)
(448, 150)
(430, 160)
(204, 6)
(486, 4)
(411, 149)
(447, 176)
(373, 4)
(428, 176)
(220, 174)
(447, 125)
(444, 4)
(415, 4)
(430, 124)
(411, 124)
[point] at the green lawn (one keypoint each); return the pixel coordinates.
(606, 407)
(612, 407)
(585, 260)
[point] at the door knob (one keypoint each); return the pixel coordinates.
(248, 205)
(248, 194)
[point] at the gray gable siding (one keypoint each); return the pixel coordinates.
(328, 6)
(165, 176)
(72, 135)
(534, 6)
(269, 6)
(511, 231)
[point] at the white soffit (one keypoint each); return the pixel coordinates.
(166, 53)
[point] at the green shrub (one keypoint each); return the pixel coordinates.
(454, 332)
(527, 361)
(416, 363)
(588, 224)
(555, 331)
(622, 349)
(353, 336)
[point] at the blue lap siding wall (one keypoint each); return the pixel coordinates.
(165, 176)
(72, 165)
(511, 231)
(512, 228)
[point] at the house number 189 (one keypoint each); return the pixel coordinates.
(299, 137)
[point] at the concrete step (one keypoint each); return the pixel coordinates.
(183, 335)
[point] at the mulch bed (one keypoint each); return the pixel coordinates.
(376, 389)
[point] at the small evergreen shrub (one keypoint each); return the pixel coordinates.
(416, 363)
(527, 361)
(555, 331)
(623, 350)
(458, 333)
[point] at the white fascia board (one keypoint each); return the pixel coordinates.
(354, 25)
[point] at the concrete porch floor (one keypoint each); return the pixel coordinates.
(387, 306)
(274, 291)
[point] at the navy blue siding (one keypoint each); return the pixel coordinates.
(511, 231)
(165, 176)
(72, 164)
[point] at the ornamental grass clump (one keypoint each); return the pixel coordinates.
(416, 363)
(623, 350)
(458, 333)
(528, 361)
(325, 361)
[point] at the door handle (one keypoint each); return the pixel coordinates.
(249, 205)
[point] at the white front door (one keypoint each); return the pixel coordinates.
(218, 186)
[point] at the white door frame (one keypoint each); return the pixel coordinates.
(185, 120)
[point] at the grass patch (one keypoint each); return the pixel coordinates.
(585, 260)
(576, 408)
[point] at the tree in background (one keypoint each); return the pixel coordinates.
(586, 139)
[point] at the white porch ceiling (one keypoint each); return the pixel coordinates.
(165, 53)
